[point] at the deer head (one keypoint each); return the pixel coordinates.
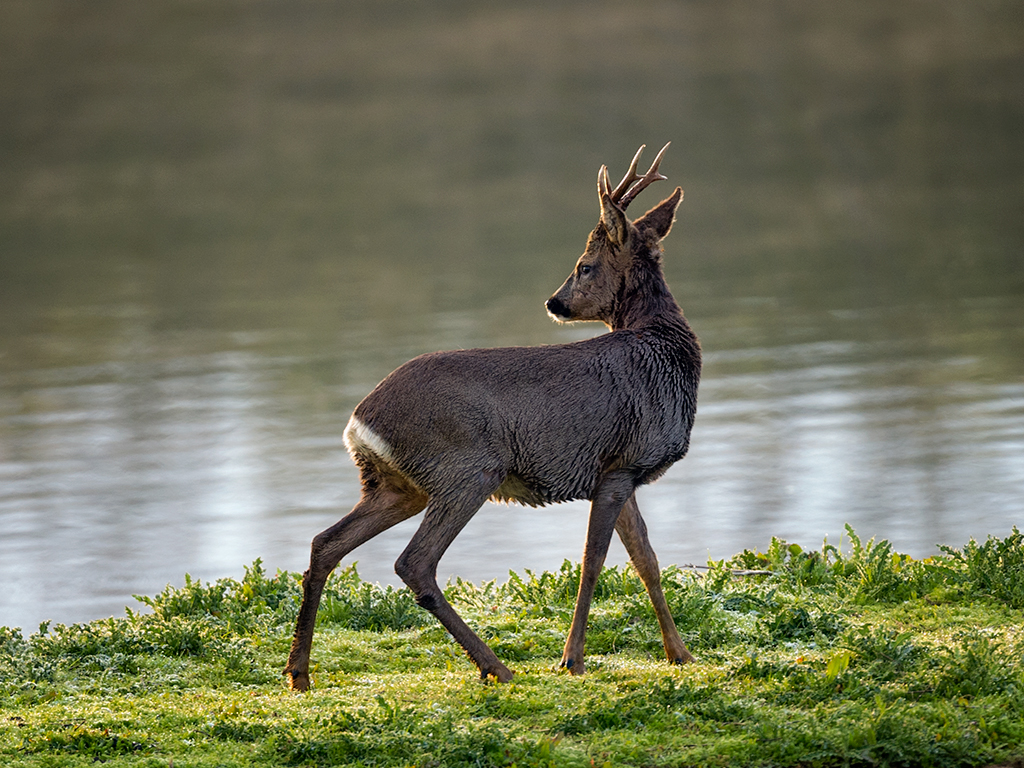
(620, 269)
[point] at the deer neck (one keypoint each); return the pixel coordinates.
(645, 301)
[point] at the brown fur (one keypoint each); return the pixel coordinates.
(590, 420)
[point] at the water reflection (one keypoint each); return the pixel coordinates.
(218, 230)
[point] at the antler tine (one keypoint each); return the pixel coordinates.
(630, 176)
(651, 176)
(604, 185)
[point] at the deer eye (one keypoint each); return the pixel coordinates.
(586, 269)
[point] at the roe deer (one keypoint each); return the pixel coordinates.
(593, 420)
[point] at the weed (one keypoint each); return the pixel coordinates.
(977, 665)
(798, 621)
(391, 734)
(356, 604)
(239, 605)
(93, 743)
(995, 568)
(884, 654)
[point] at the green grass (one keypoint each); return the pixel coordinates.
(849, 656)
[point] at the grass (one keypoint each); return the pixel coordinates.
(843, 656)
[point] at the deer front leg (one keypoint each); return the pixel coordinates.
(609, 498)
(417, 567)
(377, 511)
(633, 532)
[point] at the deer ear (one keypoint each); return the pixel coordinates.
(612, 216)
(659, 219)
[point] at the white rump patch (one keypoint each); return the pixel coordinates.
(359, 438)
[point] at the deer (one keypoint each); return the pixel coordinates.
(588, 420)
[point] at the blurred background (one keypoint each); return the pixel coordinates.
(221, 223)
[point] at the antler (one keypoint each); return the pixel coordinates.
(626, 190)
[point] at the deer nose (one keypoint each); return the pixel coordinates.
(556, 308)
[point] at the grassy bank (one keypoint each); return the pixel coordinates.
(851, 656)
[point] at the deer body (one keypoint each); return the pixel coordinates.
(547, 420)
(593, 420)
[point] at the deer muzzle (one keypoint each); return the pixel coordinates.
(557, 309)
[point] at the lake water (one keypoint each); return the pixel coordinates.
(221, 224)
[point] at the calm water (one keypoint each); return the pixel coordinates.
(221, 224)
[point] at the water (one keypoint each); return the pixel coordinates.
(221, 225)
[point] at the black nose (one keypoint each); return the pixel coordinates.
(556, 307)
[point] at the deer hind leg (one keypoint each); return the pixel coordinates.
(612, 492)
(633, 532)
(445, 517)
(381, 506)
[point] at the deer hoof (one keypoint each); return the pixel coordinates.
(298, 681)
(682, 658)
(574, 667)
(499, 672)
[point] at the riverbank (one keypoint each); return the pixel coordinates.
(850, 655)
